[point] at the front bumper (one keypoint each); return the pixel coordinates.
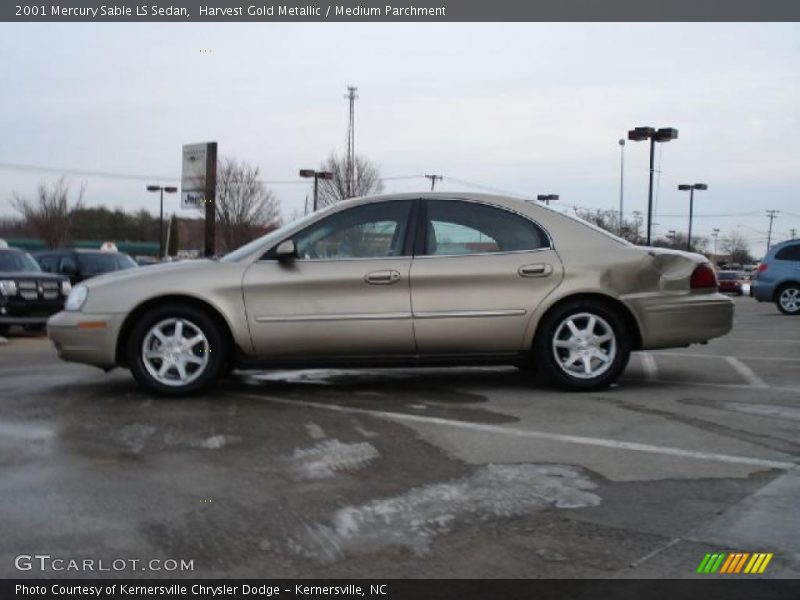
(86, 338)
(681, 319)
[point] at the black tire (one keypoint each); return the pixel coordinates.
(198, 319)
(789, 287)
(4, 329)
(551, 326)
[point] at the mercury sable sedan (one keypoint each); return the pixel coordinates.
(422, 279)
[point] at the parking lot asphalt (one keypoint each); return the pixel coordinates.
(465, 472)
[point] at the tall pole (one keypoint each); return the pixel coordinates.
(691, 213)
(161, 227)
(771, 214)
(316, 189)
(715, 235)
(351, 143)
(650, 189)
(621, 182)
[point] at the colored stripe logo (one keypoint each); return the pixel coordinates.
(731, 563)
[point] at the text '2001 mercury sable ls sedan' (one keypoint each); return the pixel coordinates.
(423, 279)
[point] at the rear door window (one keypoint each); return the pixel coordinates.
(789, 253)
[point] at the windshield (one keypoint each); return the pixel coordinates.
(95, 263)
(273, 237)
(17, 262)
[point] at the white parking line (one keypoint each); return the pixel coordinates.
(542, 435)
(649, 365)
(718, 356)
(746, 372)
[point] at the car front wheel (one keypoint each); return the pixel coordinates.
(175, 351)
(583, 345)
(789, 299)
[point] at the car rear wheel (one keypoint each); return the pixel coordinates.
(4, 329)
(175, 351)
(583, 345)
(789, 299)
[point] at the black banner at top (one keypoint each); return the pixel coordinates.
(399, 10)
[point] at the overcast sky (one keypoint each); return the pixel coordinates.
(527, 108)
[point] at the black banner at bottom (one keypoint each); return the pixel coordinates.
(408, 589)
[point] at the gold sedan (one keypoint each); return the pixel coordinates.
(414, 279)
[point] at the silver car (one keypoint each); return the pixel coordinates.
(414, 279)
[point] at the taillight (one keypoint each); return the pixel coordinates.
(761, 267)
(703, 277)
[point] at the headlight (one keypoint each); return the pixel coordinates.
(77, 298)
(66, 288)
(8, 287)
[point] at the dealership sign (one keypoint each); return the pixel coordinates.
(193, 175)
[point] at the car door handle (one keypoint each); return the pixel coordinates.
(537, 270)
(382, 277)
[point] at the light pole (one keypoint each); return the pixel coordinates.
(317, 175)
(546, 198)
(715, 235)
(663, 134)
(691, 188)
(170, 190)
(621, 181)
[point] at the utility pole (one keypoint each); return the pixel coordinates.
(434, 179)
(715, 235)
(350, 160)
(621, 182)
(771, 214)
(792, 233)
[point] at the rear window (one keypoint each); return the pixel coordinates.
(788, 253)
(731, 276)
(18, 262)
(103, 262)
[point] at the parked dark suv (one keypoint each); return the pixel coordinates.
(80, 264)
(777, 278)
(28, 296)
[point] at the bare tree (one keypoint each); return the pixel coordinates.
(50, 214)
(737, 247)
(366, 176)
(244, 206)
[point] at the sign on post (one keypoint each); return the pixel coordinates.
(199, 184)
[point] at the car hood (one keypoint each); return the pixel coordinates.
(134, 273)
(38, 275)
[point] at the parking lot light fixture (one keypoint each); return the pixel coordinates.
(161, 189)
(317, 175)
(684, 187)
(661, 135)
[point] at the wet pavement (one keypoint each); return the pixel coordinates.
(466, 472)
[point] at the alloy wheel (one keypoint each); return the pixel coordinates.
(175, 352)
(790, 300)
(584, 345)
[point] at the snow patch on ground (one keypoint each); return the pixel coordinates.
(315, 431)
(412, 520)
(328, 457)
(215, 442)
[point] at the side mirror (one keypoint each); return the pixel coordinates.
(286, 250)
(69, 270)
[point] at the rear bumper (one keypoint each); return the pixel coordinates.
(682, 319)
(762, 291)
(85, 338)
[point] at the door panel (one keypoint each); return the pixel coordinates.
(479, 274)
(318, 308)
(478, 303)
